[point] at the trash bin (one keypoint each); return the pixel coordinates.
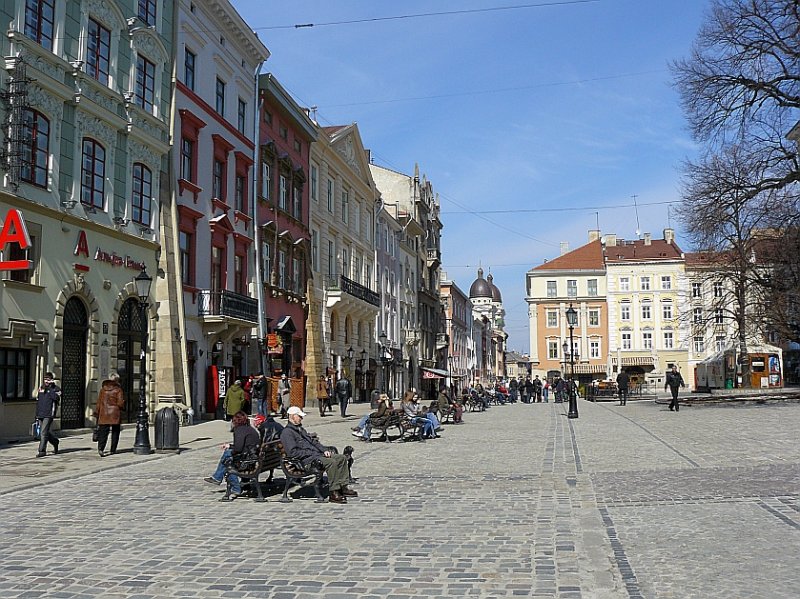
(167, 427)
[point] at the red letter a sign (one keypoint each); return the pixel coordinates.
(15, 232)
(82, 247)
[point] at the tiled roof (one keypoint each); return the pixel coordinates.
(586, 257)
(658, 249)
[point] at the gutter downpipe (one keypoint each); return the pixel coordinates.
(262, 324)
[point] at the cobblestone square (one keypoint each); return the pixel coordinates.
(631, 501)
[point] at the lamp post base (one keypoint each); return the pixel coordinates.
(141, 445)
(573, 407)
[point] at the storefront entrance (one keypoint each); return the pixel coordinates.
(129, 348)
(73, 361)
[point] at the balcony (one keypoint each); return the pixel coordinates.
(434, 257)
(343, 284)
(215, 305)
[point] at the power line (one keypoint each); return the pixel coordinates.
(562, 209)
(425, 15)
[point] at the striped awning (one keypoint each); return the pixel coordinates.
(635, 360)
(589, 368)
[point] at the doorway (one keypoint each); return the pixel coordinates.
(73, 361)
(129, 350)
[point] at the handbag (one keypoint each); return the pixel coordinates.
(36, 430)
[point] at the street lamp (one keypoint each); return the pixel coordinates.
(572, 320)
(141, 445)
(384, 361)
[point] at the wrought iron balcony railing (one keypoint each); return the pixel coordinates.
(342, 283)
(227, 303)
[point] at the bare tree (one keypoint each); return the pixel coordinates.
(740, 90)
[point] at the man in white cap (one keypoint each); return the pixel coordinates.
(298, 444)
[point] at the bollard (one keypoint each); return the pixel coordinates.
(167, 430)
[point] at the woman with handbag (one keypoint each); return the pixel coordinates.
(245, 443)
(108, 413)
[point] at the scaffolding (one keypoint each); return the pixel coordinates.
(15, 105)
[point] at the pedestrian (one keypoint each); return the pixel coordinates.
(537, 389)
(622, 387)
(258, 393)
(108, 413)
(285, 395)
(512, 390)
(234, 399)
(545, 390)
(322, 394)
(344, 390)
(528, 390)
(46, 406)
(674, 381)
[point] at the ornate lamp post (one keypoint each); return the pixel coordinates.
(349, 354)
(572, 320)
(141, 445)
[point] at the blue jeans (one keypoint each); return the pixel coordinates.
(545, 394)
(263, 407)
(432, 417)
(219, 473)
(427, 425)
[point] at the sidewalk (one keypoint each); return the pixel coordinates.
(21, 469)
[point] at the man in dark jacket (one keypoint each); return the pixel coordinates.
(46, 407)
(258, 394)
(622, 387)
(298, 444)
(513, 387)
(344, 390)
(674, 380)
(528, 386)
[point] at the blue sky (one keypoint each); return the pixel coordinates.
(562, 111)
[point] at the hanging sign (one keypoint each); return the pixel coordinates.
(15, 232)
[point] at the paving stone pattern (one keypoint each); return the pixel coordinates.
(630, 501)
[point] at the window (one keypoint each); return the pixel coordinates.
(298, 147)
(646, 311)
(626, 340)
(572, 288)
(645, 283)
(719, 316)
(647, 340)
(591, 285)
(239, 199)
(330, 196)
(297, 275)
(282, 269)
(552, 350)
(142, 194)
(314, 250)
(217, 268)
(145, 83)
(625, 312)
(147, 11)
(36, 151)
(93, 174)
(218, 176)
(719, 340)
(697, 316)
(39, 19)
(552, 289)
(266, 255)
(624, 284)
(594, 318)
(187, 159)
(314, 178)
(697, 289)
(188, 68)
(699, 345)
(14, 252)
(220, 97)
(666, 282)
(668, 340)
(283, 194)
(594, 349)
(98, 51)
(297, 203)
(331, 261)
(552, 319)
(717, 289)
(345, 205)
(239, 285)
(186, 245)
(241, 116)
(283, 132)
(345, 263)
(15, 374)
(666, 311)
(267, 117)
(266, 181)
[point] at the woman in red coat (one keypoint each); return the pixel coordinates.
(109, 413)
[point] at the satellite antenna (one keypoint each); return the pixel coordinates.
(636, 210)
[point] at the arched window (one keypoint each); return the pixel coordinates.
(142, 194)
(93, 173)
(36, 150)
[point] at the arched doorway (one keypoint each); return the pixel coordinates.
(73, 364)
(129, 350)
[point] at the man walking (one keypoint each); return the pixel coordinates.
(537, 390)
(674, 380)
(343, 392)
(46, 407)
(258, 394)
(622, 387)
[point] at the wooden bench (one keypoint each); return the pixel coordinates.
(268, 459)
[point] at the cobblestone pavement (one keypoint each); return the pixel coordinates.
(631, 501)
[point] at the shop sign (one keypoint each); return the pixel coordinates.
(274, 344)
(101, 255)
(14, 231)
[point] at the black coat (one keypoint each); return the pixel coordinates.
(299, 445)
(245, 437)
(674, 380)
(344, 389)
(47, 401)
(622, 380)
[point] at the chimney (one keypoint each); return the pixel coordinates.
(669, 235)
(611, 239)
(648, 239)
(594, 235)
(564, 247)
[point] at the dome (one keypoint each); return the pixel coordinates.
(495, 291)
(480, 287)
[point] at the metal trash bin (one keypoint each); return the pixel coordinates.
(167, 430)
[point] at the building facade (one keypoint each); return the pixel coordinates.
(458, 326)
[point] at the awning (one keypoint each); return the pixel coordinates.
(433, 373)
(286, 325)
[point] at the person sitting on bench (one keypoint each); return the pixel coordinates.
(245, 440)
(300, 445)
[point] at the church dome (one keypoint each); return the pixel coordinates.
(495, 291)
(480, 287)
